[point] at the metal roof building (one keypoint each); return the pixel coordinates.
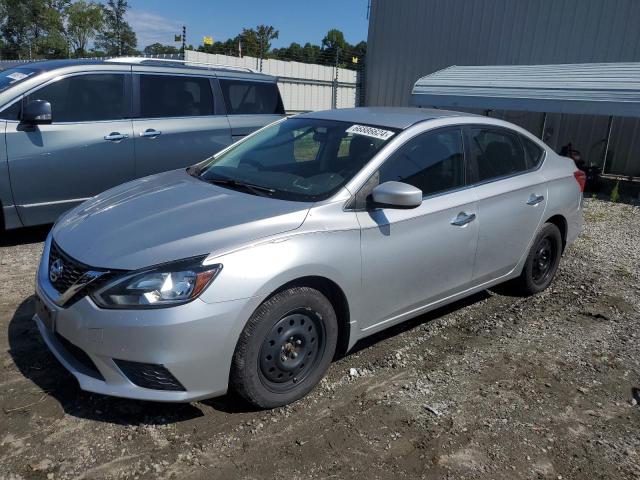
(610, 89)
(412, 39)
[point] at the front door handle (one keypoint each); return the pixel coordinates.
(463, 218)
(535, 199)
(151, 133)
(115, 137)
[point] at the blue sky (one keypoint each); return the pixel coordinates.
(298, 21)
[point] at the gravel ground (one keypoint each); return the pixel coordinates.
(493, 387)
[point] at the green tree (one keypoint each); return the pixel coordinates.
(116, 37)
(334, 39)
(160, 49)
(264, 35)
(84, 21)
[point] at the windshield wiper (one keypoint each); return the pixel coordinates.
(256, 189)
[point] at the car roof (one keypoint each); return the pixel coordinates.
(192, 67)
(390, 117)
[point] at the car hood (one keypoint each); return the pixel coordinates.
(168, 217)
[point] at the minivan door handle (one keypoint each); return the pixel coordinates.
(535, 199)
(463, 218)
(115, 137)
(151, 133)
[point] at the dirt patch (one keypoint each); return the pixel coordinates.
(492, 387)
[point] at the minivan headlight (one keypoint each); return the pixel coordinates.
(166, 285)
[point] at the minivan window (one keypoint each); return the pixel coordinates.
(84, 98)
(432, 162)
(296, 159)
(175, 96)
(496, 153)
(244, 97)
(13, 76)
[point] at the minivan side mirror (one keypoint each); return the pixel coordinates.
(36, 112)
(396, 195)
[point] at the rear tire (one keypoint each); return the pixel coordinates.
(542, 262)
(285, 348)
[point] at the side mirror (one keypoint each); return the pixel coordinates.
(396, 195)
(36, 112)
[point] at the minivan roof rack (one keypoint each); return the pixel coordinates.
(211, 66)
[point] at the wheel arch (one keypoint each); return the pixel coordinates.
(334, 294)
(561, 222)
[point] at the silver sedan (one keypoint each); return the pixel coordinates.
(252, 269)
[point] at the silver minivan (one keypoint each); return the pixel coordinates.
(74, 128)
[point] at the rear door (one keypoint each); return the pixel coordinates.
(86, 149)
(177, 121)
(250, 104)
(512, 196)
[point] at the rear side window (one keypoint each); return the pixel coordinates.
(244, 97)
(432, 162)
(84, 98)
(496, 153)
(533, 153)
(175, 96)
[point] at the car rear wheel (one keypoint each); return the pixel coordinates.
(542, 262)
(285, 348)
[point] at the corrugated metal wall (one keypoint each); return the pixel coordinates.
(412, 38)
(303, 86)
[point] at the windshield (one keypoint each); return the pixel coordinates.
(13, 76)
(297, 159)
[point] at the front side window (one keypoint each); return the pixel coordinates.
(298, 159)
(432, 162)
(175, 96)
(496, 153)
(84, 98)
(244, 97)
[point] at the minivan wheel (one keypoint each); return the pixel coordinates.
(542, 262)
(285, 348)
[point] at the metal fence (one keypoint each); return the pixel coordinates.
(303, 86)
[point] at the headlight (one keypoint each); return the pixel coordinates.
(162, 286)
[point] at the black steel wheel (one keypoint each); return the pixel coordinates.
(544, 258)
(292, 349)
(542, 262)
(285, 348)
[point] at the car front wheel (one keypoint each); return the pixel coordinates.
(285, 348)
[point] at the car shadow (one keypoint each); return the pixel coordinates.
(23, 236)
(34, 360)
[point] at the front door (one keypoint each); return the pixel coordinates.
(512, 195)
(177, 125)
(411, 258)
(87, 148)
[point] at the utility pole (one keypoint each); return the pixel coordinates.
(240, 46)
(335, 81)
(261, 54)
(184, 40)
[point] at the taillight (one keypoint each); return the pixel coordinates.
(581, 178)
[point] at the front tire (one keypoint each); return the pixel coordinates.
(542, 262)
(285, 348)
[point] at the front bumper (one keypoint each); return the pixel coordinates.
(194, 342)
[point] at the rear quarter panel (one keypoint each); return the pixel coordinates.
(564, 197)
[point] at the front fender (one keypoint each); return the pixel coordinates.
(259, 270)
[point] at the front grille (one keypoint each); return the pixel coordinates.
(148, 375)
(78, 354)
(72, 270)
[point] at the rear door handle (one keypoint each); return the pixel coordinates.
(463, 218)
(115, 137)
(151, 133)
(535, 199)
